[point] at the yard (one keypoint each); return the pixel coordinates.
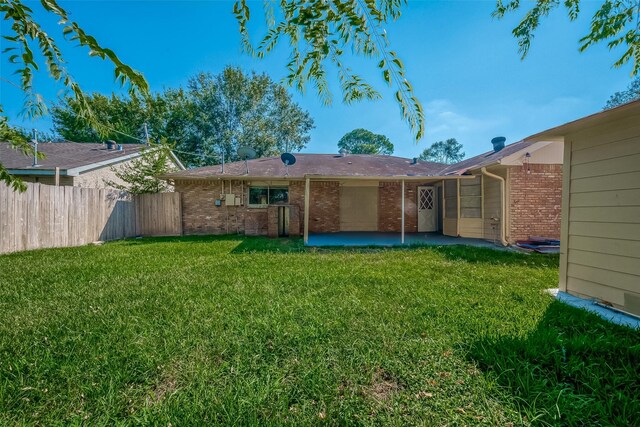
(257, 331)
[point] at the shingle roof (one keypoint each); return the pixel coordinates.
(356, 165)
(485, 159)
(65, 155)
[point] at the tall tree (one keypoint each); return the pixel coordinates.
(233, 109)
(632, 93)
(215, 113)
(362, 141)
(123, 118)
(318, 33)
(449, 152)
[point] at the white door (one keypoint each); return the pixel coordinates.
(427, 209)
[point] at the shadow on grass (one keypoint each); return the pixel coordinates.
(573, 369)
(495, 256)
(461, 252)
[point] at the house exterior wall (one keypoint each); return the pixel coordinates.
(535, 200)
(600, 235)
(200, 215)
(324, 207)
(390, 207)
(492, 206)
(47, 179)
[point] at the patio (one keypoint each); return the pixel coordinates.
(370, 238)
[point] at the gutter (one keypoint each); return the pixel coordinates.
(314, 177)
(503, 220)
(34, 171)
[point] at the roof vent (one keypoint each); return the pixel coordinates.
(498, 143)
(111, 144)
(343, 152)
(414, 161)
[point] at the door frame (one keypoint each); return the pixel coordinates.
(434, 210)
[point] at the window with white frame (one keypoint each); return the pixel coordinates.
(263, 196)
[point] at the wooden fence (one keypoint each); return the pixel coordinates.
(46, 216)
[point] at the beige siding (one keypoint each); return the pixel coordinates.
(359, 208)
(471, 227)
(493, 206)
(46, 179)
(449, 227)
(601, 245)
(450, 209)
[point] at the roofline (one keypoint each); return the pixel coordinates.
(558, 132)
(34, 171)
(86, 168)
(315, 177)
(82, 169)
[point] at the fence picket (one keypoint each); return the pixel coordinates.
(46, 216)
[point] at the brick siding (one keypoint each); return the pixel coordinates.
(535, 201)
(390, 207)
(200, 215)
(324, 207)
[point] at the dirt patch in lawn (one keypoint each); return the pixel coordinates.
(383, 386)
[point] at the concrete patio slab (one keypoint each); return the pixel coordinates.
(612, 315)
(364, 238)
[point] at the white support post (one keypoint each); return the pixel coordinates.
(306, 211)
(402, 220)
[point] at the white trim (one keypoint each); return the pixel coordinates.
(82, 169)
(36, 171)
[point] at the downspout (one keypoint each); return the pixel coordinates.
(503, 220)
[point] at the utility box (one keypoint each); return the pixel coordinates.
(230, 199)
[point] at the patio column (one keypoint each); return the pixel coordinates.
(402, 210)
(306, 211)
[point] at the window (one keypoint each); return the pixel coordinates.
(265, 196)
(471, 198)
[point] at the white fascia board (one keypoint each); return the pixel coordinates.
(177, 161)
(36, 171)
(516, 159)
(82, 169)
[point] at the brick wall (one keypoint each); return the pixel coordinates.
(324, 207)
(535, 201)
(390, 207)
(200, 215)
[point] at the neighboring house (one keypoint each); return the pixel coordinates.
(71, 163)
(600, 236)
(325, 193)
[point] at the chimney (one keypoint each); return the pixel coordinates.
(111, 144)
(498, 143)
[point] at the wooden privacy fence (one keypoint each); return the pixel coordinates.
(46, 216)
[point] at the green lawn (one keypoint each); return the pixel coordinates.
(255, 331)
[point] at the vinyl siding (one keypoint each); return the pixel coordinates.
(492, 206)
(601, 248)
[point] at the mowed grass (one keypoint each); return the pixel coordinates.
(237, 331)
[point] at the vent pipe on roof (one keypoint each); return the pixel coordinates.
(35, 148)
(343, 152)
(498, 143)
(111, 144)
(414, 161)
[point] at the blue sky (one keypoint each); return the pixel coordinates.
(463, 64)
